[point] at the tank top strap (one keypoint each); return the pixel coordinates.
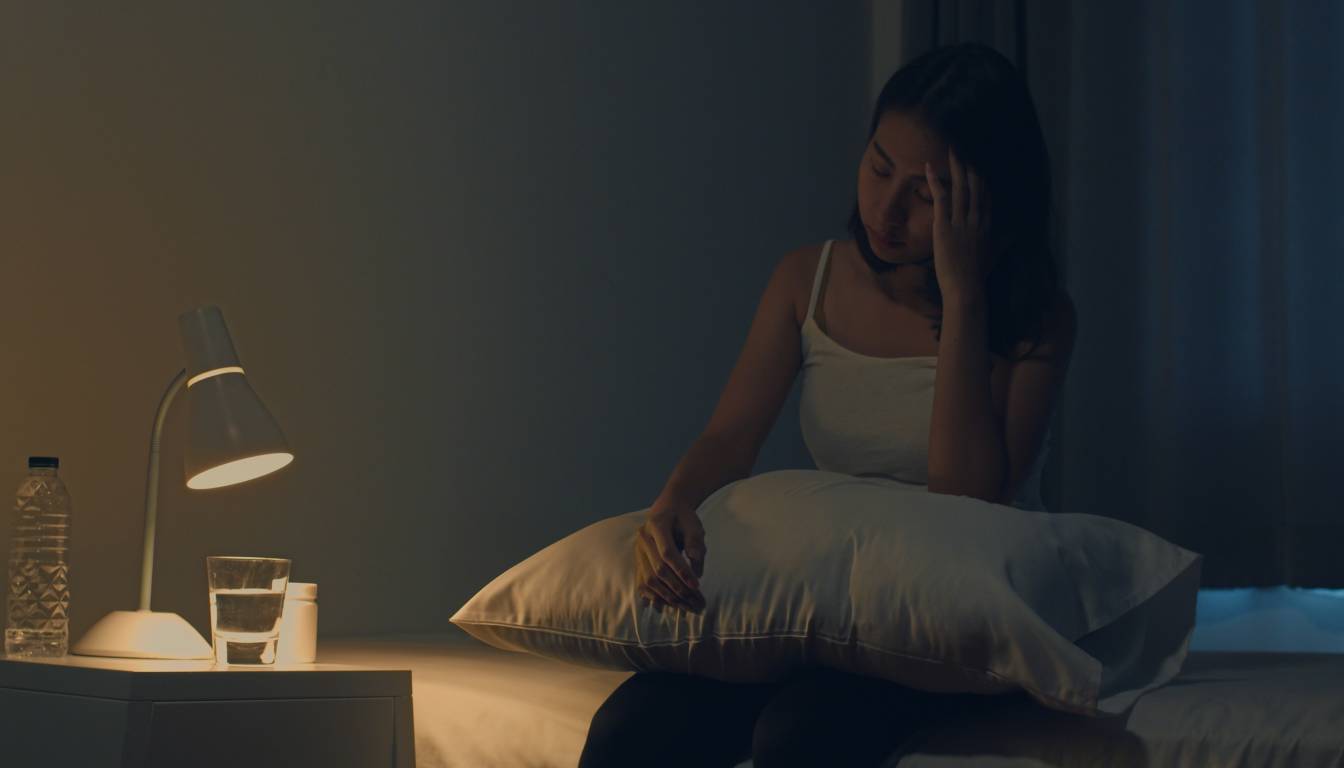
(816, 279)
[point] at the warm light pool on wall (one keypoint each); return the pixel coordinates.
(231, 438)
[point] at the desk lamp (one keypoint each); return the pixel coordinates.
(231, 438)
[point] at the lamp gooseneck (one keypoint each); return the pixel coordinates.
(231, 438)
(152, 489)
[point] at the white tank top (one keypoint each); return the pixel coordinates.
(865, 415)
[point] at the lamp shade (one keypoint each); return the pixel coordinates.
(231, 437)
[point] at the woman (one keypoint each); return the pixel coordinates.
(949, 269)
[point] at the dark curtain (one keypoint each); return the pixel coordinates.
(1198, 166)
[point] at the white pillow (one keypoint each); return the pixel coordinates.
(937, 592)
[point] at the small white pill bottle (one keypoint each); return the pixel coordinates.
(298, 625)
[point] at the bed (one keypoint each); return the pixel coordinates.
(478, 706)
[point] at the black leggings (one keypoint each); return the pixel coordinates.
(815, 717)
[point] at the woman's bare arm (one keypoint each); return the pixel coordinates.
(974, 448)
(1034, 384)
(966, 451)
(751, 400)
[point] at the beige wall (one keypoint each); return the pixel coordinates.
(487, 263)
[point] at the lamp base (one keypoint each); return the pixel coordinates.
(143, 635)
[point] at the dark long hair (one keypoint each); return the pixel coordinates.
(976, 100)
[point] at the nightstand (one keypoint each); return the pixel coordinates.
(93, 712)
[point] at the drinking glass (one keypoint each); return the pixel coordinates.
(247, 596)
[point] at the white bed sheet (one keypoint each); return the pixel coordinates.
(478, 706)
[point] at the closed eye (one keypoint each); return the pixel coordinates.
(883, 173)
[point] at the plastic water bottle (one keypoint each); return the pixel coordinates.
(39, 592)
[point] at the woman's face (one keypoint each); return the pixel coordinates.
(895, 202)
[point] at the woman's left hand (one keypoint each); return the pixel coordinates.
(961, 244)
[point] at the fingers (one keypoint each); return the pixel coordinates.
(656, 591)
(959, 189)
(650, 600)
(663, 579)
(672, 558)
(939, 192)
(695, 545)
(968, 203)
(650, 585)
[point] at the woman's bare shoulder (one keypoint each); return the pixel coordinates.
(801, 266)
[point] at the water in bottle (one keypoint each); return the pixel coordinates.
(39, 592)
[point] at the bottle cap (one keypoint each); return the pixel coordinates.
(42, 462)
(298, 590)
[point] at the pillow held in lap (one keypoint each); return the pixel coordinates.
(937, 592)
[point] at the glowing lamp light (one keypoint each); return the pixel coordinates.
(239, 471)
(231, 438)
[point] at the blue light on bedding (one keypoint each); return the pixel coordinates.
(1280, 619)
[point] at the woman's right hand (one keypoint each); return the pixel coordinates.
(663, 574)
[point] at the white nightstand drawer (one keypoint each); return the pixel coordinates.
(89, 712)
(334, 733)
(57, 729)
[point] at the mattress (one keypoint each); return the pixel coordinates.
(478, 706)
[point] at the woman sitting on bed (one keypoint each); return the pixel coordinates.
(949, 269)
